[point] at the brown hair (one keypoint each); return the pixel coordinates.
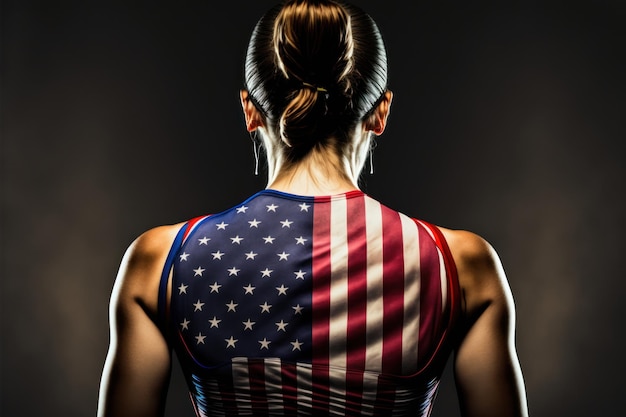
(315, 68)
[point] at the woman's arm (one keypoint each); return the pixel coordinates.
(137, 368)
(487, 371)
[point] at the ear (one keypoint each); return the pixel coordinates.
(378, 120)
(254, 118)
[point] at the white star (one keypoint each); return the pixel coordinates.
(198, 306)
(248, 324)
(304, 207)
(272, 207)
(265, 308)
(249, 289)
(182, 289)
(269, 239)
(233, 271)
(254, 223)
(200, 339)
(217, 255)
(198, 271)
(282, 290)
(215, 287)
(282, 256)
(232, 306)
(267, 272)
(214, 322)
(281, 326)
(185, 324)
(300, 274)
(236, 239)
(242, 209)
(286, 223)
(221, 226)
(298, 309)
(251, 255)
(296, 345)
(300, 240)
(265, 344)
(204, 241)
(184, 256)
(231, 342)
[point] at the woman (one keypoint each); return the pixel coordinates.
(311, 297)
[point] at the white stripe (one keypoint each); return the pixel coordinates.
(274, 386)
(430, 232)
(374, 317)
(337, 397)
(410, 331)
(241, 385)
(338, 287)
(304, 376)
(442, 269)
(444, 280)
(370, 389)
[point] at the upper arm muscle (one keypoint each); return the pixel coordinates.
(487, 371)
(137, 368)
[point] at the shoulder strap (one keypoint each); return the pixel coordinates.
(454, 288)
(178, 240)
(167, 267)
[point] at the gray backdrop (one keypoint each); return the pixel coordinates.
(507, 121)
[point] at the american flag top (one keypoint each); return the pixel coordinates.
(293, 305)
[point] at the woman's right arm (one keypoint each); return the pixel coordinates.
(486, 367)
(137, 368)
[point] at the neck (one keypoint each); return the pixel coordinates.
(322, 172)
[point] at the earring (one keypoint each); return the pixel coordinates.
(372, 145)
(255, 149)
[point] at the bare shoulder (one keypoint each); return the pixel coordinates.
(152, 243)
(470, 249)
(481, 274)
(141, 267)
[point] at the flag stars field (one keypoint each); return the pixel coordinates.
(248, 252)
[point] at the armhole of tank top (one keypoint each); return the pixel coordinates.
(454, 288)
(165, 274)
(453, 277)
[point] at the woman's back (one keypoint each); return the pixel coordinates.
(288, 304)
(312, 305)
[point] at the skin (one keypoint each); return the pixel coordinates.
(489, 381)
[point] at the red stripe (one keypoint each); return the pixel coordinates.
(357, 295)
(191, 223)
(227, 393)
(321, 270)
(430, 296)
(258, 398)
(453, 299)
(393, 291)
(385, 397)
(453, 302)
(290, 387)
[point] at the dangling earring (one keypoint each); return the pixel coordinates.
(255, 149)
(371, 152)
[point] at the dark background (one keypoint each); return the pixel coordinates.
(507, 120)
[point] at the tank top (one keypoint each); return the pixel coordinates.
(297, 305)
